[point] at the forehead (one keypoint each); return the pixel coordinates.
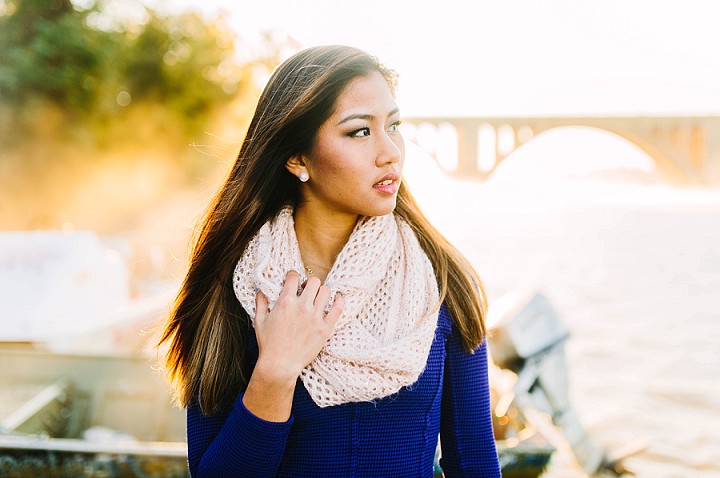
(365, 94)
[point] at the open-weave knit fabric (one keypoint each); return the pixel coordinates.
(382, 339)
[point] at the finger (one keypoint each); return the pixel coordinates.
(311, 288)
(292, 278)
(261, 306)
(335, 311)
(322, 298)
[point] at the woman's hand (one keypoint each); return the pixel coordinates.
(292, 334)
(289, 337)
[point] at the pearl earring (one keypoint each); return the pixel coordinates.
(304, 176)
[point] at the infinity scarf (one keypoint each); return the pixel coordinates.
(382, 339)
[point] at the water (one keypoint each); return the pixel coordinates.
(635, 273)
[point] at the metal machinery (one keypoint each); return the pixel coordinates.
(527, 337)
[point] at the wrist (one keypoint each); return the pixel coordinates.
(271, 374)
(269, 394)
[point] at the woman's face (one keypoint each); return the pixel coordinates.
(356, 162)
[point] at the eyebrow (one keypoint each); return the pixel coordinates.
(366, 117)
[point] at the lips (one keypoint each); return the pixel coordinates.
(388, 179)
(388, 184)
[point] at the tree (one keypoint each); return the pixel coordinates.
(184, 64)
(49, 53)
(56, 53)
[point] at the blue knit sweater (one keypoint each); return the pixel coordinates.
(394, 436)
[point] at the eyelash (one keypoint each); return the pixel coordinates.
(356, 133)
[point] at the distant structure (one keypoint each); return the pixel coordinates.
(685, 149)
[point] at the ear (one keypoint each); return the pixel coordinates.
(296, 164)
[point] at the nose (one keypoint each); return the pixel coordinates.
(391, 148)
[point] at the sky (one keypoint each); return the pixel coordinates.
(516, 58)
(512, 57)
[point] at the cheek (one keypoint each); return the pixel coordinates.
(333, 180)
(335, 167)
(344, 179)
(338, 166)
(330, 171)
(333, 161)
(326, 159)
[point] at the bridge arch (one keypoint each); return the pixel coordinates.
(668, 163)
(681, 147)
(577, 151)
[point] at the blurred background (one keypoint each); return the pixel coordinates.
(589, 172)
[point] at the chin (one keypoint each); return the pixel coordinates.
(379, 209)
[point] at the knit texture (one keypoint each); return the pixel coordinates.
(382, 339)
(392, 437)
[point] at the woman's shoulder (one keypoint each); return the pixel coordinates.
(445, 320)
(448, 327)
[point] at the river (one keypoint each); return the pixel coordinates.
(634, 271)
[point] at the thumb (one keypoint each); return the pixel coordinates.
(261, 306)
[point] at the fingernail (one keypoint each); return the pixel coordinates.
(256, 289)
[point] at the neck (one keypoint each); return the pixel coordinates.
(321, 236)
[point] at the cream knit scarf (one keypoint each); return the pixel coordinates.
(383, 337)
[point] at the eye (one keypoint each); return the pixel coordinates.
(360, 133)
(395, 127)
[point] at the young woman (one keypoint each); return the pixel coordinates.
(325, 328)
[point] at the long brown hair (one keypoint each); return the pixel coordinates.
(208, 330)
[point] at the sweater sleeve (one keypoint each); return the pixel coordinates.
(236, 443)
(466, 433)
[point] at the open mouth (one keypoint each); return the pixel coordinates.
(388, 186)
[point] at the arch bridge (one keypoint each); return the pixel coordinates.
(686, 149)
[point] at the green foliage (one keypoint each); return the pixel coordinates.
(97, 72)
(49, 53)
(182, 63)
